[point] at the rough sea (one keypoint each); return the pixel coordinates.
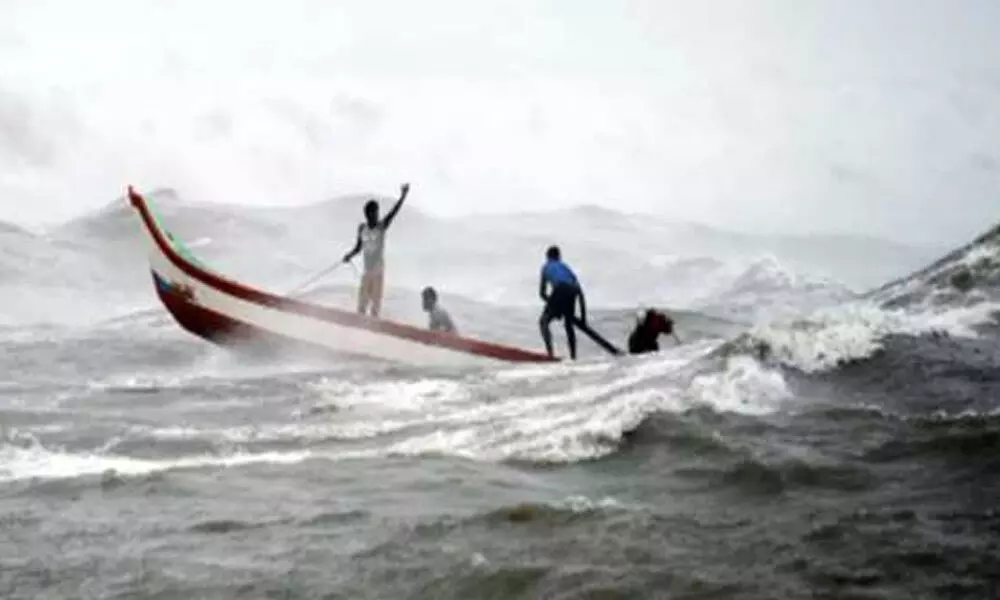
(806, 439)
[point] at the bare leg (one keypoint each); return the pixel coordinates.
(543, 324)
(363, 293)
(378, 279)
(570, 337)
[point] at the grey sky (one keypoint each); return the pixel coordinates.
(875, 116)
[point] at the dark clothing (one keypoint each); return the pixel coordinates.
(644, 338)
(640, 343)
(561, 302)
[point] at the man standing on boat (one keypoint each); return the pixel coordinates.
(371, 242)
(560, 302)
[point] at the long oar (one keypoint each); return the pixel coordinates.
(598, 338)
(319, 276)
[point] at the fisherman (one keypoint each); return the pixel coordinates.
(560, 302)
(371, 240)
(440, 320)
(648, 327)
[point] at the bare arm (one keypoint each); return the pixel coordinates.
(404, 191)
(541, 287)
(448, 325)
(354, 251)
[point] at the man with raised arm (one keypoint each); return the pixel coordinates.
(371, 243)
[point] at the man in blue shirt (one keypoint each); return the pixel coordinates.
(560, 301)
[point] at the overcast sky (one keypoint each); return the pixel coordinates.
(869, 116)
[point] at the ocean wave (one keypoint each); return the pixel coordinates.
(968, 275)
(35, 462)
(570, 414)
(558, 417)
(832, 337)
(768, 477)
(972, 438)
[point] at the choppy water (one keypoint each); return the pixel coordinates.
(854, 452)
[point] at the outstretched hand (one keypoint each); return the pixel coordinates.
(404, 189)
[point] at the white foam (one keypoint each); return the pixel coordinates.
(857, 330)
(582, 504)
(743, 387)
(536, 372)
(138, 382)
(32, 430)
(582, 422)
(979, 253)
(393, 396)
(453, 421)
(964, 414)
(327, 430)
(958, 321)
(565, 413)
(987, 252)
(37, 462)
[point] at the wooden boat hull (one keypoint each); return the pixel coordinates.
(232, 314)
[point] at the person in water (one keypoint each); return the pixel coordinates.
(371, 241)
(440, 320)
(648, 327)
(560, 301)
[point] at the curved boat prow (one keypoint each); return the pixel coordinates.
(226, 312)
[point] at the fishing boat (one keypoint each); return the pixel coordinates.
(232, 314)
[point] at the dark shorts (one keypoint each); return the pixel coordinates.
(561, 303)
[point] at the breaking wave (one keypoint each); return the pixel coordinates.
(819, 344)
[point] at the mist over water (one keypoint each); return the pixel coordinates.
(95, 263)
(765, 119)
